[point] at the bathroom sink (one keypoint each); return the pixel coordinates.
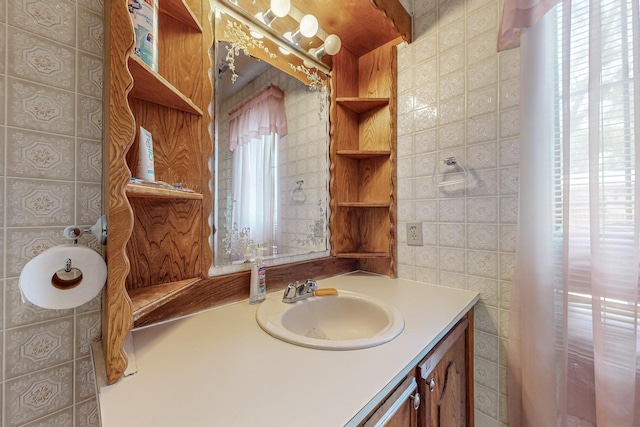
(346, 321)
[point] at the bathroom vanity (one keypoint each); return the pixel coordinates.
(219, 368)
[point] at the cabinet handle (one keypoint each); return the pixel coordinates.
(432, 384)
(416, 401)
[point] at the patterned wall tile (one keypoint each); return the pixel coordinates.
(508, 234)
(482, 101)
(452, 60)
(482, 209)
(424, 6)
(451, 135)
(85, 379)
(483, 264)
(89, 155)
(509, 210)
(451, 36)
(482, 129)
(452, 280)
(53, 19)
(2, 104)
(509, 152)
(87, 414)
(90, 32)
(19, 313)
(451, 85)
(41, 108)
(35, 347)
(62, 418)
(37, 203)
(488, 289)
(22, 244)
(509, 64)
(509, 123)
(40, 155)
(486, 346)
(426, 257)
(482, 236)
(89, 203)
(426, 210)
(95, 5)
(451, 235)
(486, 373)
(482, 20)
(450, 11)
(90, 75)
(425, 142)
(451, 260)
(89, 118)
(451, 210)
(482, 74)
(87, 331)
(41, 60)
(482, 183)
(510, 93)
(3, 30)
(481, 48)
(452, 110)
(38, 394)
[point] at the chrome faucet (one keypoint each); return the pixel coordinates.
(299, 291)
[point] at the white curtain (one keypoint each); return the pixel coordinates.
(254, 188)
(254, 130)
(574, 340)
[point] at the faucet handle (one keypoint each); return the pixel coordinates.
(310, 285)
(291, 290)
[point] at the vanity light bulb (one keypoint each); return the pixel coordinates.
(332, 44)
(280, 8)
(308, 26)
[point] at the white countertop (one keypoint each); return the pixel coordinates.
(219, 368)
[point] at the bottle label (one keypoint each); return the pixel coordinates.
(262, 278)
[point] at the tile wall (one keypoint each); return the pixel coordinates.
(458, 97)
(50, 177)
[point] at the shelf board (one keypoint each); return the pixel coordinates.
(151, 86)
(364, 154)
(360, 105)
(179, 10)
(147, 299)
(143, 191)
(365, 204)
(361, 255)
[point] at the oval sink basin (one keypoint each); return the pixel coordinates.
(346, 321)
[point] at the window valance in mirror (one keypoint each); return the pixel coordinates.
(263, 114)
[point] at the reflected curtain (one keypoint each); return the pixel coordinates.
(254, 130)
(574, 342)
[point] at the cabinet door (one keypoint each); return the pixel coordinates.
(443, 382)
(399, 409)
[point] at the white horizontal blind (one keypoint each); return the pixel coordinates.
(596, 205)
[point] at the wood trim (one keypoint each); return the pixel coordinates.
(226, 289)
(426, 367)
(119, 133)
(469, 342)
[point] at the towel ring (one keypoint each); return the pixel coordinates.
(459, 168)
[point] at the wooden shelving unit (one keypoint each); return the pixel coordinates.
(363, 158)
(158, 242)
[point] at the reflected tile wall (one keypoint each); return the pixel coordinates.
(50, 173)
(458, 97)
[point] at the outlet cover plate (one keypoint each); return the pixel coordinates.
(414, 234)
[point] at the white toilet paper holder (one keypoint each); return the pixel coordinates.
(98, 230)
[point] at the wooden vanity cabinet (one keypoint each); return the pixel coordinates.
(438, 392)
(399, 409)
(446, 380)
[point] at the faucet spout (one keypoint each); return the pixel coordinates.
(299, 291)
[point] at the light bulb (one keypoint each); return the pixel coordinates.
(280, 8)
(332, 44)
(308, 26)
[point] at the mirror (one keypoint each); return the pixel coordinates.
(270, 190)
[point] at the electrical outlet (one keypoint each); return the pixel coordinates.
(414, 233)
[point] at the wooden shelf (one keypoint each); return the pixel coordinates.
(179, 10)
(145, 300)
(360, 105)
(364, 204)
(364, 154)
(362, 255)
(143, 191)
(151, 86)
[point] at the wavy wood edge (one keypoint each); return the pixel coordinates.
(208, 62)
(119, 133)
(397, 15)
(393, 105)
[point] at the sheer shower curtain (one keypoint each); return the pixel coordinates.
(574, 341)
